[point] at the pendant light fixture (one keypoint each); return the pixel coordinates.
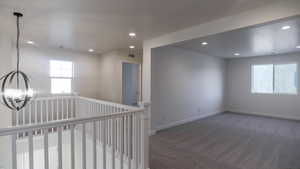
(131, 51)
(15, 89)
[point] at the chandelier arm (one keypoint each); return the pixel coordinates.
(4, 81)
(27, 98)
(14, 104)
(24, 103)
(12, 76)
(2, 77)
(6, 75)
(25, 78)
(3, 90)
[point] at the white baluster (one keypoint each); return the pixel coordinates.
(95, 145)
(83, 147)
(136, 138)
(144, 140)
(35, 112)
(118, 120)
(113, 143)
(24, 115)
(47, 110)
(46, 150)
(59, 146)
(72, 147)
(139, 138)
(17, 118)
(30, 114)
(72, 112)
(122, 144)
(62, 108)
(57, 108)
(42, 110)
(104, 143)
(30, 145)
(67, 107)
(52, 110)
(129, 142)
(24, 119)
(14, 151)
(126, 135)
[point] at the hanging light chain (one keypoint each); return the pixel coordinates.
(18, 50)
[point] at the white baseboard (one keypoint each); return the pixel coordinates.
(272, 115)
(180, 122)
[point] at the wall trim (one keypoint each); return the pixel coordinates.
(265, 115)
(180, 122)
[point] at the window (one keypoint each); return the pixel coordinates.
(285, 78)
(61, 74)
(262, 79)
(275, 78)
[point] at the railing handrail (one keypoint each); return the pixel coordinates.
(108, 103)
(54, 96)
(17, 129)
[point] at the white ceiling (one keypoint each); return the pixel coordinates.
(104, 24)
(258, 40)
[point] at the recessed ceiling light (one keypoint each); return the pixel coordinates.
(298, 47)
(91, 50)
(30, 42)
(204, 43)
(286, 27)
(237, 54)
(132, 34)
(131, 47)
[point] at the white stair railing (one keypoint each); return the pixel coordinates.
(45, 109)
(115, 133)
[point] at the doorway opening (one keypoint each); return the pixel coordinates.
(130, 83)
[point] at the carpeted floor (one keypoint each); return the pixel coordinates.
(228, 141)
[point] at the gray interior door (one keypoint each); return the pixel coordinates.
(130, 83)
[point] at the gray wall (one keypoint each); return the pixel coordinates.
(35, 62)
(95, 76)
(185, 85)
(238, 89)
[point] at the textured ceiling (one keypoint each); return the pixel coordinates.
(258, 40)
(104, 24)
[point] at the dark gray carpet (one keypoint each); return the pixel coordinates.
(228, 141)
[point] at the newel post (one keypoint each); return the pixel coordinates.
(145, 135)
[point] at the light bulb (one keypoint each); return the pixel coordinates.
(13, 93)
(132, 34)
(204, 43)
(29, 93)
(286, 27)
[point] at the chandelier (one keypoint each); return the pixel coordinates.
(15, 89)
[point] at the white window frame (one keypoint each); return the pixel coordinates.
(275, 93)
(55, 77)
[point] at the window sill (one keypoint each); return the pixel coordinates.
(276, 94)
